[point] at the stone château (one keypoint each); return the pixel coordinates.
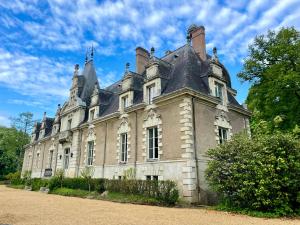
(159, 120)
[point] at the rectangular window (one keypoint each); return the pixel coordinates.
(153, 142)
(90, 153)
(149, 177)
(125, 102)
(124, 147)
(69, 124)
(66, 158)
(50, 158)
(222, 135)
(92, 114)
(37, 160)
(219, 91)
(150, 93)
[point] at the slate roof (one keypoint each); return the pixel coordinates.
(186, 69)
(179, 69)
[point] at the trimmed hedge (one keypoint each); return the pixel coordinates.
(97, 184)
(164, 191)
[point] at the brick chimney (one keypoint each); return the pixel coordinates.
(142, 59)
(197, 35)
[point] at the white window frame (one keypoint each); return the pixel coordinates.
(219, 91)
(150, 93)
(152, 140)
(92, 114)
(125, 101)
(66, 158)
(90, 153)
(124, 147)
(223, 135)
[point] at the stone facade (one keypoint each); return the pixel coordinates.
(179, 106)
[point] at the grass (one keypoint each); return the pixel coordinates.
(16, 186)
(71, 192)
(130, 198)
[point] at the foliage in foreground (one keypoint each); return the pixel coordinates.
(262, 173)
(273, 68)
(12, 144)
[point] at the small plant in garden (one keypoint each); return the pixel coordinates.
(129, 174)
(60, 175)
(27, 177)
(87, 173)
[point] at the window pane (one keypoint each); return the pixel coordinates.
(156, 142)
(124, 147)
(150, 142)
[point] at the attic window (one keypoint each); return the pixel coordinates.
(92, 114)
(175, 56)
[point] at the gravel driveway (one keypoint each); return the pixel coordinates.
(25, 207)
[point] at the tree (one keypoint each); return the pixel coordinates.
(12, 143)
(23, 122)
(273, 68)
(262, 173)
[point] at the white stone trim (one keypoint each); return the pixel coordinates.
(124, 127)
(223, 121)
(90, 137)
(152, 120)
(187, 146)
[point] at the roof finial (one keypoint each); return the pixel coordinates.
(76, 68)
(127, 65)
(152, 52)
(215, 55)
(86, 55)
(92, 52)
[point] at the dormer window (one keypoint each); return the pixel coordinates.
(125, 101)
(69, 124)
(219, 91)
(150, 93)
(92, 114)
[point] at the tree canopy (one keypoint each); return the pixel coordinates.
(273, 68)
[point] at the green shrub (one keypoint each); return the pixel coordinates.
(164, 191)
(15, 178)
(37, 183)
(77, 183)
(261, 174)
(70, 192)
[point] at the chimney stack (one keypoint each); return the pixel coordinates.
(197, 35)
(142, 59)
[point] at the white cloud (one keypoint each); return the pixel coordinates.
(4, 121)
(115, 27)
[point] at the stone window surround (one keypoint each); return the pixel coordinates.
(157, 88)
(52, 148)
(130, 96)
(91, 136)
(124, 127)
(152, 120)
(222, 121)
(96, 110)
(212, 84)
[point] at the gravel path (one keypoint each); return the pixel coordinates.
(25, 207)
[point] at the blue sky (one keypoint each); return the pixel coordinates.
(42, 40)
